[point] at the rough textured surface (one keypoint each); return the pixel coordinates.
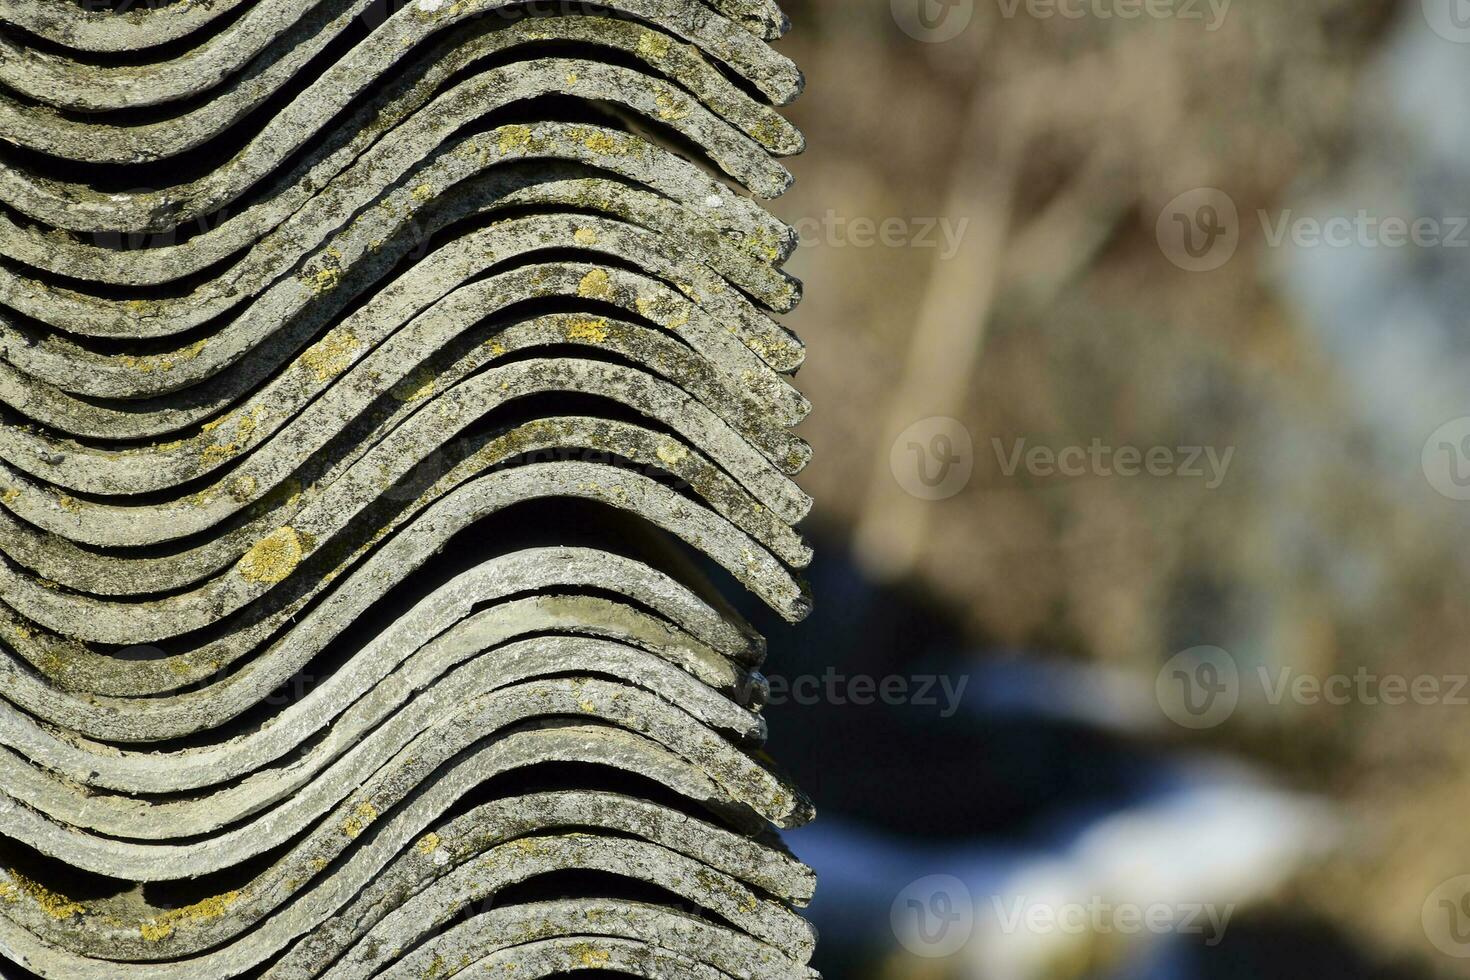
(374, 379)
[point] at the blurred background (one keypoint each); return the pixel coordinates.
(1137, 337)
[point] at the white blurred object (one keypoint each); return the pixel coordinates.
(1393, 316)
(1212, 841)
(1180, 867)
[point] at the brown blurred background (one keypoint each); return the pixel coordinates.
(1026, 170)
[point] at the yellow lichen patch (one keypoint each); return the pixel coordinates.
(513, 138)
(585, 236)
(600, 142)
(529, 845)
(322, 280)
(572, 78)
(365, 814)
(275, 556)
(170, 446)
(769, 350)
(664, 310)
(69, 503)
(418, 385)
(163, 362)
(54, 905)
(671, 453)
(765, 244)
(331, 355)
(590, 956)
(245, 426)
(429, 844)
(423, 192)
(188, 353)
(589, 331)
(217, 454)
(180, 666)
(768, 131)
(242, 488)
(596, 285)
(653, 45)
(160, 927)
(11, 495)
(670, 109)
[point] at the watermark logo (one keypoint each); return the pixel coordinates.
(933, 459)
(1446, 917)
(1450, 19)
(1446, 459)
(934, 917)
(1199, 688)
(933, 21)
(1199, 231)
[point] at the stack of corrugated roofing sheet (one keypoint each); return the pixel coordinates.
(378, 384)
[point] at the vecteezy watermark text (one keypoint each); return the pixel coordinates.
(937, 916)
(1211, 13)
(937, 21)
(833, 230)
(1202, 687)
(1101, 916)
(1208, 463)
(1201, 230)
(942, 691)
